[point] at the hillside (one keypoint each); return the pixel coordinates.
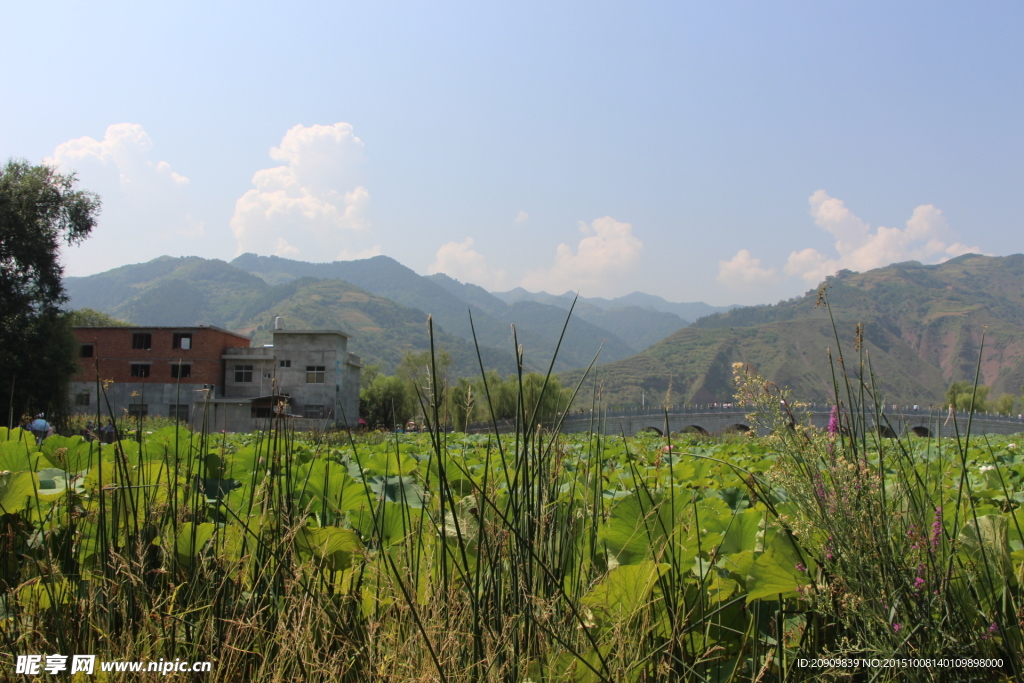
(538, 326)
(923, 329)
(195, 291)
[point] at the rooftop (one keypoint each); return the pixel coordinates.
(343, 334)
(148, 328)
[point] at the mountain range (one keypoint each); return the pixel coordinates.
(923, 327)
(383, 305)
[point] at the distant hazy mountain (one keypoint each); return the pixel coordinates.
(923, 327)
(686, 311)
(538, 326)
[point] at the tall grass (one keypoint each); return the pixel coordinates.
(517, 557)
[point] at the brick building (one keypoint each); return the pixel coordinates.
(151, 370)
(206, 374)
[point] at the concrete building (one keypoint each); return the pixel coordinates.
(206, 375)
(308, 375)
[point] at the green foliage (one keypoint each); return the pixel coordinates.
(40, 209)
(387, 403)
(964, 396)
(87, 317)
(1004, 404)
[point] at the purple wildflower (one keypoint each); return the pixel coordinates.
(833, 421)
(936, 529)
(896, 628)
(800, 567)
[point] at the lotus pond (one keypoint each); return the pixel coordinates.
(526, 557)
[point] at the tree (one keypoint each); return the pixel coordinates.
(1004, 404)
(87, 317)
(418, 370)
(386, 403)
(964, 396)
(39, 210)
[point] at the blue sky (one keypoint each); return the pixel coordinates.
(725, 152)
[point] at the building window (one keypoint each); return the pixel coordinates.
(286, 364)
(138, 409)
(313, 412)
(142, 340)
(243, 373)
(82, 399)
(182, 340)
(140, 369)
(315, 374)
(178, 411)
(181, 371)
(86, 350)
(262, 411)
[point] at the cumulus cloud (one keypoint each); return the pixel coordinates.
(608, 250)
(462, 262)
(313, 199)
(926, 237)
(146, 205)
(522, 217)
(744, 271)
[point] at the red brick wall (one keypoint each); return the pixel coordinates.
(114, 353)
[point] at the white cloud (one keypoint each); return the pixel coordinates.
(282, 248)
(313, 199)
(146, 206)
(608, 251)
(522, 217)
(462, 262)
(743, 271)
(926, 237)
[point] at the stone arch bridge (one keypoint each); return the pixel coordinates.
(705, 420)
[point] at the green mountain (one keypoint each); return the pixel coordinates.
(538, 326)
(196, 291)
(923, 327)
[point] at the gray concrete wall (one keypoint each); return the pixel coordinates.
(158, 398)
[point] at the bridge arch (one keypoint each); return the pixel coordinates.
(694, 429)
(653, 430)
(738, 428)
(921, 431)
(886, 432)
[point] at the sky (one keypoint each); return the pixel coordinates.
(727, 152)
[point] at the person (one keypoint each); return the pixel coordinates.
(107, 432)
(40, 428)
